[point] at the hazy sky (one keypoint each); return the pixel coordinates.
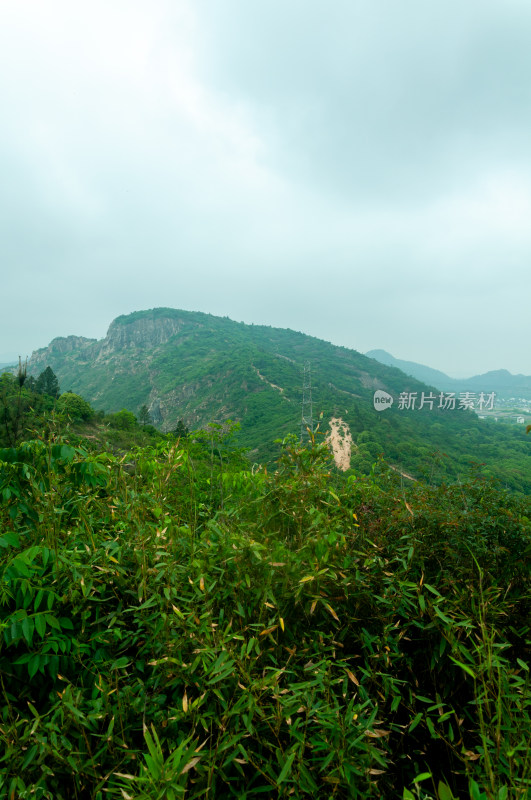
(359, 171)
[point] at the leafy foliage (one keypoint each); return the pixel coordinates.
(175, 623)
(20, 408)
(75, 406)
(124, 420)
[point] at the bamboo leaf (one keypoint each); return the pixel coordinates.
(191, 764)
(286, 768)
(424, 776)
(444, 792)
(269, 630)
(331, 610)
(464, 667)
(27, 629)
(353, 677)
(415, 722)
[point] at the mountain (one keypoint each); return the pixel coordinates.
(201, 369)
(433, 377)
(500, 381)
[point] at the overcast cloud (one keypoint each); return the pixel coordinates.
(359, 171)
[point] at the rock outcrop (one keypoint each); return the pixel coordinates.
(57, 350)
(144, 333)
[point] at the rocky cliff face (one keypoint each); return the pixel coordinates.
(144, 333)
(56, 351)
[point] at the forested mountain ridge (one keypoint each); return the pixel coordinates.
(200, 368)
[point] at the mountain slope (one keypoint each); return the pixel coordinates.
(202, 369)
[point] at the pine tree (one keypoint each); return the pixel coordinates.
(181, 430)
(144, 416)
(47, 383)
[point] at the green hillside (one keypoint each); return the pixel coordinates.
(199, 368)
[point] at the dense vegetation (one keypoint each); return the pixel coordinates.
(201, 369)
(175, 623)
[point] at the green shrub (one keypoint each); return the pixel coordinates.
(123, 420)
(75, 407)
(174, 623)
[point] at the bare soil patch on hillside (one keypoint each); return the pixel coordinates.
(340, 441)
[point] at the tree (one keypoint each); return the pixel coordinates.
(10, 409)
(18, 405)
(144, 417)
(75, 406)
(124, 420)
(47, 383)
(22, 373)
(181, 430)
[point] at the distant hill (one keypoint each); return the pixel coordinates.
(433, 377)
(200, 368)
(500, 381)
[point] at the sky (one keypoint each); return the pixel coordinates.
(358, 170)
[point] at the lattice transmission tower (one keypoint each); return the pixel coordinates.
(307, 408)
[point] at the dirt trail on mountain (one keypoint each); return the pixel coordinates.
(263, 378)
